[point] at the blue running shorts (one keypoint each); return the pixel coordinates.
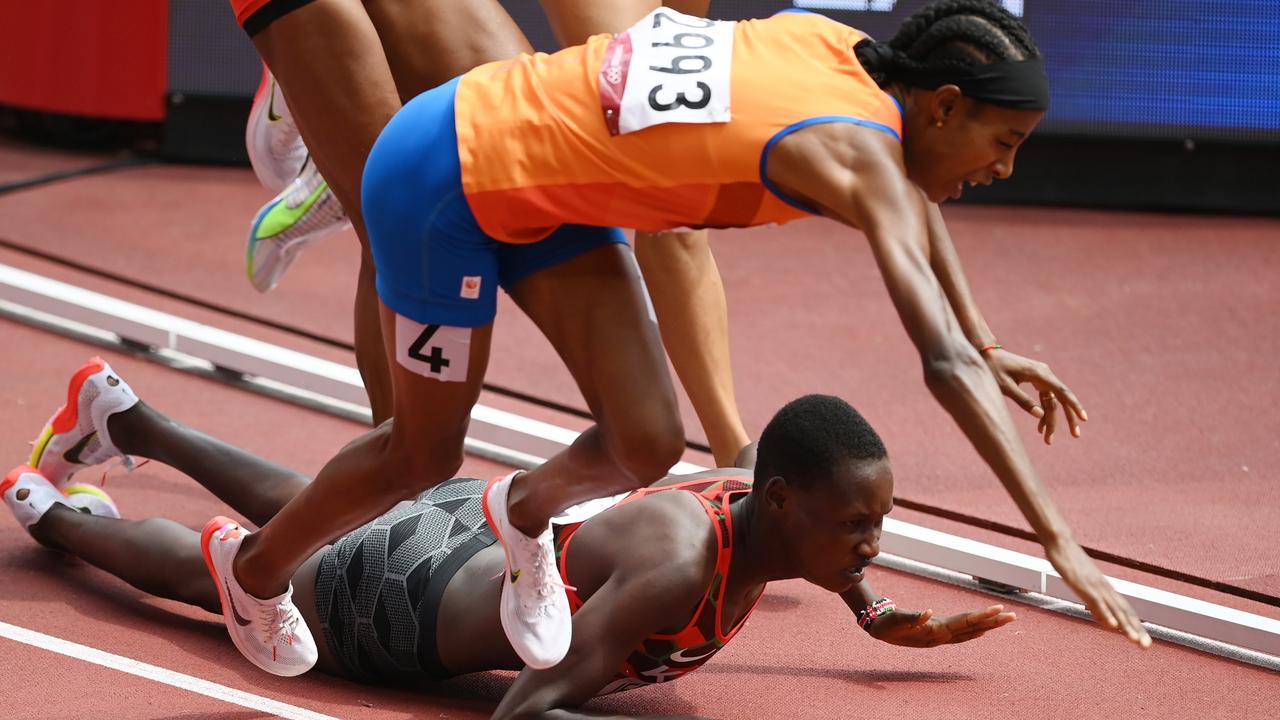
(435, 265)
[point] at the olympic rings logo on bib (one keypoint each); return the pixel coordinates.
(667, 68)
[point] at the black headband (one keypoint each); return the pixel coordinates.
(1017, 84)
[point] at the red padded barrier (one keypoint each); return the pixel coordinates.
(85, 57)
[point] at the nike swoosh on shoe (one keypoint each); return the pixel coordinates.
(241, 620)
(72, 455)
(271, 105)
(283, 216)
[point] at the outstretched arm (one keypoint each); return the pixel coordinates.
(912, 628)
(1009, 369)
(861, 181)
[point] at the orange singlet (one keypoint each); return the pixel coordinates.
(537, 142)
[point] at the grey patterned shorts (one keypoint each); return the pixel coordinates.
(378, 588)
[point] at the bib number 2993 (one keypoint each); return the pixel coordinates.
(667, 68)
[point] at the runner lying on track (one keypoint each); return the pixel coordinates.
(661, 578)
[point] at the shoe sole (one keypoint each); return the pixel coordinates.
(206, 534)
(506, 559)
(488, 516)
(252, 247)
(66, 417)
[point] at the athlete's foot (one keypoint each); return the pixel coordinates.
(29, 496)
(271, 137)
(77, 435)
(304, 212)
(270, 633)
(534, 608)
(33, 500)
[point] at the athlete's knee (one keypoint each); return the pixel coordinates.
(413, 464)
(646, 447)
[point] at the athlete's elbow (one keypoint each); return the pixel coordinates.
(950, 368)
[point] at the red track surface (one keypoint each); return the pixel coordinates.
(1161, 324)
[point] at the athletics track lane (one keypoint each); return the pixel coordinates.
(800, 656)
(1160, 323)
(179, 227)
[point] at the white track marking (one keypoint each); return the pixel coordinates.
(158, 674)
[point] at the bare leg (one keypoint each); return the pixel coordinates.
(592, 310)
(334, 59)
(160, 556)
(371, 359)
(693, 317)
(397, 50)
(426, 43)
(252, 486)
(156, 556)
(573, 21)
(429, 42)
(329, 63)
(678, 267)
(420, 448)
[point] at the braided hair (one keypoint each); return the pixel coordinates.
(945, 37)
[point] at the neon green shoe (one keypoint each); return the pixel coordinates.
(304, 212)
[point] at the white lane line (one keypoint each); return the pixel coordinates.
(158, 674)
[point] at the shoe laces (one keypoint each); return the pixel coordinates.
(121, 461)
(547, 586)
(278, 622)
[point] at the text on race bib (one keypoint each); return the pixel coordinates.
(437, 352)
(667, 68)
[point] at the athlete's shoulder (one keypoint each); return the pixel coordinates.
(662, 527)
(656, 538)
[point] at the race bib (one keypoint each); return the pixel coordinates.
(437, 352)
(668, 68)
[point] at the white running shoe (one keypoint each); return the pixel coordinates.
(275, 147)
(91, 499)
(29, 495)
(76, 436)
(270, 633)
(534, 608)
(304, 212)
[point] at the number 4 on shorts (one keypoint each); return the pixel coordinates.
(438, 352)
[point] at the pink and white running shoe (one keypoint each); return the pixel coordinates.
(76, 435)
(275, 147)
